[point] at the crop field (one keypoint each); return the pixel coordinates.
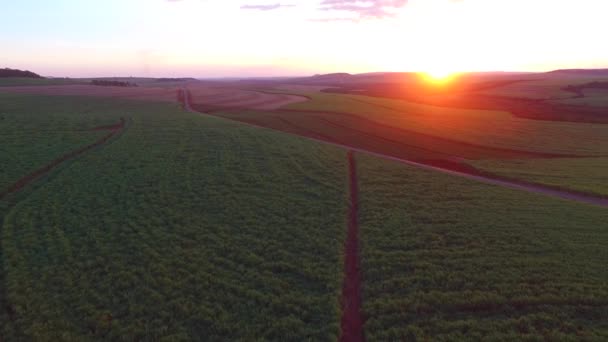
(24, 81)
(592, 97)
(465, 138)
(494, 129)
(447, 259)
(183, 227)
(549, 88)
(166, 94)
(155, 223)
(581, 174)
(214, 98)
(35, 131)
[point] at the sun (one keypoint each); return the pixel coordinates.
(439, 76)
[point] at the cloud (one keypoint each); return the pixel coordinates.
(265, 7)
(364, 8)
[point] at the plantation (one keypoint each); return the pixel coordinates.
(448, 259)
(37, 130)
(581, 174)
(184, 227)
(192, 227)
(487, 128)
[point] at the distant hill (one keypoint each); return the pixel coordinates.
(178, 79)
(325, 78)
(6, 72)
(586, 72)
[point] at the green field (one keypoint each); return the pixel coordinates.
(489, 128)
(37, 130)
(192, 227)
(446, 259)
(587, 175)
(24, 81)
(406, 130)
(185, 227)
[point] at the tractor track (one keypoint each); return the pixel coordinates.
(352, 321)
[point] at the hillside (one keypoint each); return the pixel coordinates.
(6, 72)
(588, 72)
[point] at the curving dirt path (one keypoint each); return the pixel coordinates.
(30, 178)
(488, 179)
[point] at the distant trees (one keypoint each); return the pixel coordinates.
(6, 72)
(178, 79)
(107, 83)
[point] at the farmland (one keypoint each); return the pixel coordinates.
(33, 133)
(184, 226)
(449, 259)
(325, 170)
(581, 174)
(494, 129)
(156, 222)
(465, 138)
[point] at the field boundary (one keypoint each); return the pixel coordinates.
(39, 173)
(483, 178)
(352, 321)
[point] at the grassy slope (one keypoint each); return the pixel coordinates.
(185, 227)
(582, 174)
(450, 259)
(489, 128)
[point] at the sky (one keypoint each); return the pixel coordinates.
(255, 38)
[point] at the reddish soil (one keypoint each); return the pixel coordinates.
(26, 180)
(209, 98)
(352, 321)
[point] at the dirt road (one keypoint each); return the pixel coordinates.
(352, 322)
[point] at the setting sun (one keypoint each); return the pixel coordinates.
(438, 76)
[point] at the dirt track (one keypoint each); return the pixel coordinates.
(352, 322)
(493, 180)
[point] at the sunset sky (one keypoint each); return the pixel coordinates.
(217, 38)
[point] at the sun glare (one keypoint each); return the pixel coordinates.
(439, 76)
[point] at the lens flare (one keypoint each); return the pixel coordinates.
(438, 76)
